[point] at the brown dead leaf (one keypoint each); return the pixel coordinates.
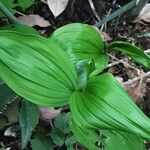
(47, 113)
(144, 14)
(33, 20)
(137, 91)
(57, 6)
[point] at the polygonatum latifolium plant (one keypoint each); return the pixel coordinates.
(82, 41)
(55, 72)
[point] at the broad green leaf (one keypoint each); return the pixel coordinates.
(41, 142)
(84, 136)
(81, 42)
(132, 51)
(20, 28)
(104, 104)
(6, 95)
(107, 140)
(29, 117)
(36, 68)
(123, 141)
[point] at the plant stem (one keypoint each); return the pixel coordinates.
(117, 13)
(8, 14)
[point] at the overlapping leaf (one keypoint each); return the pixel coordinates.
(29, 117)
(132, 51)
(36, 68)
(20, 28)
(106, 139)
(6, 95)
(104, 104)
(81, 42)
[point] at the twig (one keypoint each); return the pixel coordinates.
(110, 10)
(20, 13)
(144, 75)
(94, 11)
(117, 13)
(7, 13)
(121, 61)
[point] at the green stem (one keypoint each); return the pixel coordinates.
(8, 14)
(117, 13)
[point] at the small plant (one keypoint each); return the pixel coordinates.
(66, 69)
(12, 4)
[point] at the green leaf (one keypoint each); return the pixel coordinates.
(36, 68)
(108, 139)
(61, 123)
(104, 104)
(10, 114)
(57, 136)
(29, 117)
(85, 136)
(6, 95)
(41, 142)
(84, 69)
(9, 4)
(24, 4)
(132, 51)
(81, 42)
(123, 141)
(20, 28)
(70, 140)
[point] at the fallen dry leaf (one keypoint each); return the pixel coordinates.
(144, 14)
(33, 20)
(57, 6)
(137, 91)
(47, 113)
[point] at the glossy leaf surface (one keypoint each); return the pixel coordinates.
(20, 28)
(82, 42)
(106, 139)
(104, 104)
(36, 68)
(132, 51)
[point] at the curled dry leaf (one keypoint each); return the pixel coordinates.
(57, 6)
(144, 14)
(137, 90)
(47, 113)
(33, 20)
